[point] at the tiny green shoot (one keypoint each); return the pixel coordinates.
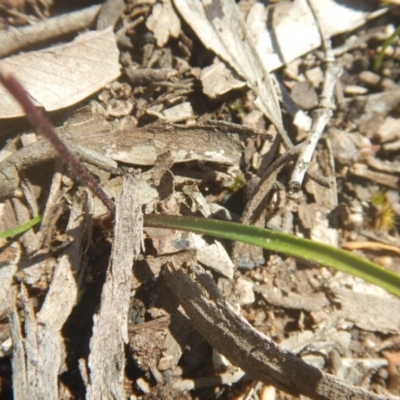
(20, 229)
(379, 58)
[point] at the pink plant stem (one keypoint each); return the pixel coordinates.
(42, 125)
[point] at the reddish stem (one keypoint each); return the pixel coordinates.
(41, 124)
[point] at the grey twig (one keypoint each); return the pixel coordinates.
(323, 113)
(16, 39)
(244, 255)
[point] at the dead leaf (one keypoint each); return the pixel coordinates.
(294, 31)
(221, 29)
(62, 75)
(218, 80)
(164, 23)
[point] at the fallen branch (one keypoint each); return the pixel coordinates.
(256, 354)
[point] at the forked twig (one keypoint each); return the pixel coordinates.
(323, 113)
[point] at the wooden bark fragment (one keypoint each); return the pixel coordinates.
(37, 355)
(10, 256)
(110, 330)
(256, 354)
(215, 141)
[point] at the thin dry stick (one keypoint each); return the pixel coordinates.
(245, 255)
(40, 122)
(256, 204)
(323, 113)
(15, 39)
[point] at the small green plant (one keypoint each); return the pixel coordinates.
(237, 183)
(384, 217)
(236, 107)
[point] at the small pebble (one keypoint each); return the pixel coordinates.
(165, 363)
(245, 290)
(369, 78)
(143, 385)
(354, 90)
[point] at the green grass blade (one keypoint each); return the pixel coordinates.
(379, 58)
(20, 229)
(287, 244)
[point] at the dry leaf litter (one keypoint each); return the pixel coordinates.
(173, 97)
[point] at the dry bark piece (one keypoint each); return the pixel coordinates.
(110, 330)
(37, 356)
(213, 256)
(180, 112)
(362, 171)
(9, 259)
(145, 76)
(313, 218)
(392, 146)
(292, 300)
(349, 148)
(218, 80)
(214, 142)
(390, 167)
(63, 75)
(371, 312)
(389, 130)
(39, 272)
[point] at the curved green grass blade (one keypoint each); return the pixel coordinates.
(288, 244)
(379, 58)
(20, 229)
